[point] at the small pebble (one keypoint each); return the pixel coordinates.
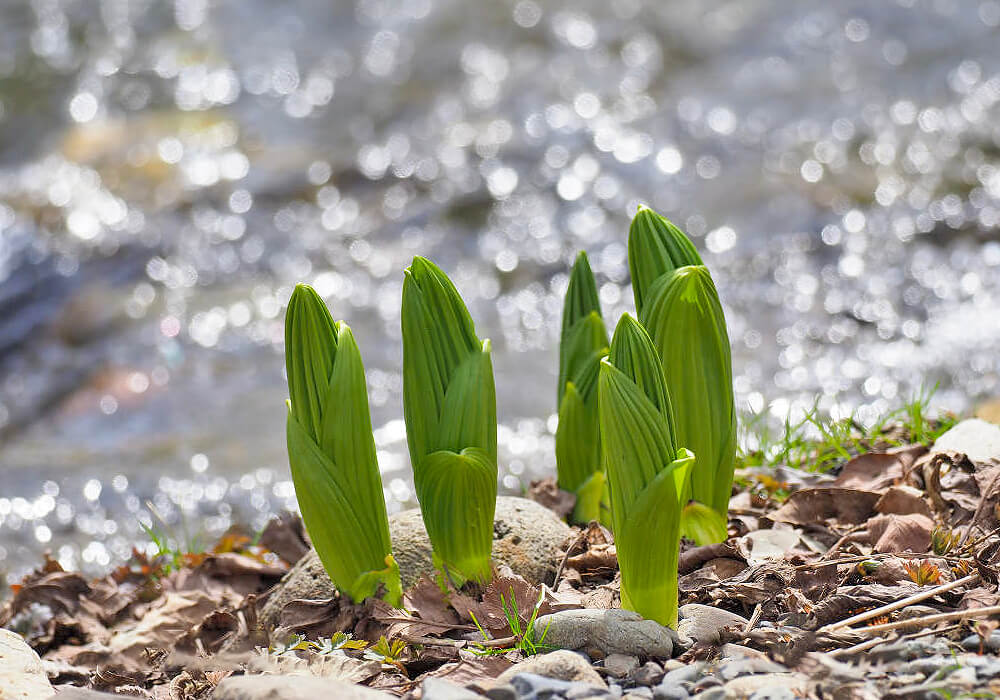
(713, 694)
(673, 692)
(972, 642)
(503, 691)
(620, 665)
(649, 674)
(639, 694)
(705, 683)
(688, 673)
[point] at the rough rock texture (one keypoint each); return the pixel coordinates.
(561, 664)
(21, 673)
(620, 665)
(527, 537)
(611, 631)
(440, 689)
(794, 684)
(975, 438)
(260, 687)
(703, 623)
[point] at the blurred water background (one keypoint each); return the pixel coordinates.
(170, 169)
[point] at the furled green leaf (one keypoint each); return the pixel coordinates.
(647, 479)
(655, 247)
(583, 343)
(685, 320)
(449, 404)
(332, 453)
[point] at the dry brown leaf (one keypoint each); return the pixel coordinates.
(471, 668)
(811, 506)
(547, 492)
(286, 537)
(900, 533)
(879, 470)
(599, 560)
(903, 500)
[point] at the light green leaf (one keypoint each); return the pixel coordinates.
(461, 487)
(647, 539)
(310, 349)
(703, 524)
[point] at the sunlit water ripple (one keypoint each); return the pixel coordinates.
(168, 171)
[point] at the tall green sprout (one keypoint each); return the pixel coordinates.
(449, 404)
(647, 473)
(679, 306)
(583, 343)
(331, 451)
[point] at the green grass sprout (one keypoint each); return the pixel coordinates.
(525, 637)
(449, 405)
(332, 452)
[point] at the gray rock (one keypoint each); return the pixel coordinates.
(689, 673)
(440, 689)
(620, 665)
(909, 649)
(73, 693)
(560, 665)
(611, 631)
(713, 694)
(973, 641)
(503, 691)
(261, 687)
(532, 686)
(527, 537)
(21, 674)
(746, 686)
(650, 674)
(976, 438)
(673, 692)
(778, 692)
(747, 667)
(704, 624)
(639, 694)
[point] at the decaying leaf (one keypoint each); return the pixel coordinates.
(900, 533)
(809, 506)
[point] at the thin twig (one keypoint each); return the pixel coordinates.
(862, 646)
(758, 611)
(869, 557)
(562, 564)
(892, 607)
(932, 619)
(429, 623)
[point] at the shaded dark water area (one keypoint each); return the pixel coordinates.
(169, 170)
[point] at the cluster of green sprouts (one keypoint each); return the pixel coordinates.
(646, 435)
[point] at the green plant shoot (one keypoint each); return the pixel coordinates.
(332, 452)
(583, 344)
(685, 320)
(449, 404)
(648, 475)
(679, 306)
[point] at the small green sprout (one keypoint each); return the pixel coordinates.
(388, 653)
(449, 404)
(337, 645)
(294, 643)
(332, 452)
(648, 474)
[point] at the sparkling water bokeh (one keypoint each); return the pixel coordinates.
(169, 171)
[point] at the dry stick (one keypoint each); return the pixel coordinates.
(562, 564)
(862, 646)
(428, 623)
(932, 619)
(869, 557)
(892, 607)
(758, 612)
